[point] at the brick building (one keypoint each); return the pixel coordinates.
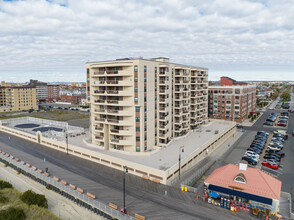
(231, 100)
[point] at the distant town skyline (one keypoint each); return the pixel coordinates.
(52, 40)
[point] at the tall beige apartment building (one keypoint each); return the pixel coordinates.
(17, 97)
(140, 104)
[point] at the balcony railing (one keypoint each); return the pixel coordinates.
(113, 121)
(99, 101)
(99, 137)
(114, 130)
(100, 119)
(112, 111)
(112, 101)
(99, 91)
(99, 128)
(112, 91)
(112, 71)
(112, 81)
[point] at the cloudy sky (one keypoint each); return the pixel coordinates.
(52, 40)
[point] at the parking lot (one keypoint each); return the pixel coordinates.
(285, 172)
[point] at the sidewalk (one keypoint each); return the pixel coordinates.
(57, 204)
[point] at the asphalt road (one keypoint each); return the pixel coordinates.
(143, 197)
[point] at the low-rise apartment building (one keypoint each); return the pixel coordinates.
(17, 97)
(139, 104)
(231, 100)
(73, 96)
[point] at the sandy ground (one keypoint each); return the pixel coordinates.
(60, 206)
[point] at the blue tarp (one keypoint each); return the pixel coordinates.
(213, 194)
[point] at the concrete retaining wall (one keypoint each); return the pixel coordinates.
(152, 174)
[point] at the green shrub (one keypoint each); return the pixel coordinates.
(32, 198)
(4, 184)
(3, 199)
(12, 214)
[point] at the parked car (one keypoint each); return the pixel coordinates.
(251, 153)
(255, 150)
(249, 160)
(278, 154)
(271, 156)
(268, 123)
(270, 165)
(282, 124)
(271, 160)
(274, 148)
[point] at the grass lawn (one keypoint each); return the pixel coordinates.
(55, 115)
(32, 212)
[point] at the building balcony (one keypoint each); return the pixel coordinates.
(112, 91)
(100, 119)
(99, 110)
(162, 91)
(99, 91)
(98, 73)
(162, 82)
(99, 137)
(112, 101)
(98, 128)
(99, 101)
(121, 141)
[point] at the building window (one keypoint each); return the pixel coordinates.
(145, 108)
(145, 79)
(137, 139)
(137, 119)
(145, 69)
(136, 79)
(155, 69)
(137, 148)
(136, 100)
(136, 89)
(137, 109)
(136, 68)
(88, 70)
(145, 89)
(145, 118)
(137, 129)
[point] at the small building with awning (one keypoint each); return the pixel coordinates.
(245, 187)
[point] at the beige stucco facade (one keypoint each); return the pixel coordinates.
(17, 97)
(139, 105)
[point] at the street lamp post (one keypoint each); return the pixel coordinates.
(181, 149)
(66, 138)
(124, 188)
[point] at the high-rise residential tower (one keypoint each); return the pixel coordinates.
(139, 104)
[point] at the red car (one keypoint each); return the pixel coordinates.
(282, 124)
(270, 165)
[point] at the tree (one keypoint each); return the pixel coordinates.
(285, 96)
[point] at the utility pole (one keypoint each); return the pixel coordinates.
(181, 149)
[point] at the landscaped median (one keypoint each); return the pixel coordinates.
(20, 206)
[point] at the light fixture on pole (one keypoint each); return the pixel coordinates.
(124, 189)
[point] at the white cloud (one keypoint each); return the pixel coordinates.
(46, 38)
